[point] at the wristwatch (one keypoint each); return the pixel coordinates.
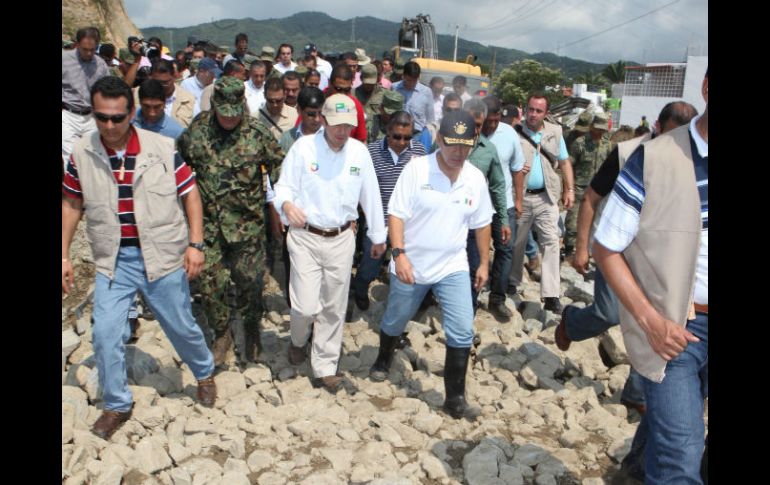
(199, 246)
(396, 252)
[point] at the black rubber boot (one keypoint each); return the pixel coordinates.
(381, 367)
(455, 368)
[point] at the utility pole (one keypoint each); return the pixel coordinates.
(353, 31)
(457, 31)
(492, 69)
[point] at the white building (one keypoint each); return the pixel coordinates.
(650, 87)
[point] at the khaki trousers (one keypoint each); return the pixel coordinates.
(318, 287)
(538, 210)
(73, 127)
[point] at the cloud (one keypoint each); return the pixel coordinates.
(528, 25)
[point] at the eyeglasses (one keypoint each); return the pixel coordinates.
(312, 114)
(274, 101)
(342, 90)
(449, 110)
(114, 118)
(401, 137)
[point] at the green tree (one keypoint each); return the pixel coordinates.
(518, 80)
(615, 72)
(594, 81)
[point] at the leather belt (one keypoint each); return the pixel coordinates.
(536, 191)
(701, 308)
(83, 112)
(328, 232)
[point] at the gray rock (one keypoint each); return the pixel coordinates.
(233, 465)
(612, 341)
(301, 427)
(69, 342)
(110, 475)
(573, 438)
(433, 467)
(530, 455)
(349, 435)
(67, 422)
(271, 478)
(92, 387)
(178, 452)
(619, 449)
(151, 456)
(511, 475)
(257, 374)
(481, 465)
(592, 481)
(83, 324)
(229, 384)
(618, 376)
(427, 423)
(151, 417)
(388, 434)
(580, 382)
(144, 396)
(532, 309)
(234, 478)
(180, 476)
(259, 460)
(340, 459)
(532, 325)
(581, 291)
(546, 479)
(139, 363)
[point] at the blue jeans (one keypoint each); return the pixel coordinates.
(674, 418)
(368, 268)
(168, 297)
(501, 265)
(454, 297)
(594, 320)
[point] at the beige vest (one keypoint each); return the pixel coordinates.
(158, 211)
(550, 141)
(181, 109)
(664, 254)
(625, 149)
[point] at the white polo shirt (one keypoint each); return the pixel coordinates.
(328, 185)
(437, 215)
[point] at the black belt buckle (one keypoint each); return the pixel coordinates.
(82, 112)
(535, 191)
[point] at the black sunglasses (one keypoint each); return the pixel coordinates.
(274, 101)
(342, 90)
(312, 114)
(401, 137)
(114, 118)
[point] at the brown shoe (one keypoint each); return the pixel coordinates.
(207, 391)
(296, 354)
(640, 408)
(330, 383)
(562, 340)
(109, 422)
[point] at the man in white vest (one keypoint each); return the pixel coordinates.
(652, 247)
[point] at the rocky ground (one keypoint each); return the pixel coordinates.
(548, 417)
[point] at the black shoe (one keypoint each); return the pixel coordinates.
(403, 341)
(512, 290)
(499, 310)
(147, 313)
(455, 368)
(362, 301)
(134, 323)
(379, 371)
(552, 303)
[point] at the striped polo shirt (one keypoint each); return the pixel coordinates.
(388, 169)
(619, 223)
(129, 233)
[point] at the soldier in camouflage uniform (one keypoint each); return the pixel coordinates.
(369, 93)
(588, 154)
(232, 155)
(392, 101)
(580, 129)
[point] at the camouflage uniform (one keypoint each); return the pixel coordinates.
(391, 102)
(580, 129)
(587, 156)
(231, 171)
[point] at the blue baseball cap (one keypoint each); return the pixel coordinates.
(209, 64)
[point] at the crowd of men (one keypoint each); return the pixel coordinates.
(205, 166)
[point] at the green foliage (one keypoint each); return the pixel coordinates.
(517, 81)
(615, 72)
(595, 81)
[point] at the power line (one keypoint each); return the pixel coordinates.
(619, 25)
(501, 22)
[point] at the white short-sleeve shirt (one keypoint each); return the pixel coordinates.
(437, 216)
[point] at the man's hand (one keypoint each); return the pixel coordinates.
(505, 232)
(568, 199)
(517, 208)
(193, 262)
(580, 260)
(67, 276)
(294, 214)
(377, 250)
(526, 168)
(666, 337)
(482, 274)
(404, 270)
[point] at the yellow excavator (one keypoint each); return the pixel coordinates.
(417, 42)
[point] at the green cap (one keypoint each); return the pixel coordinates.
(267, 54)
(248, 59)
(228, 97)
(194, 63)
(392, 101)
(584, 121)
(601, 121)
(369, 74)
(301, 70)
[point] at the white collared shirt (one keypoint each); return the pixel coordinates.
(437, 215)
(283, 69)
(329, 185)
(255, 98)
(194, 87)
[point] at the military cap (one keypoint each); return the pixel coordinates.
(363, 59)
(228, 96)
(66, 43)
(458, 128)
(584, 121)
(369, 74)
(301, 70)
(600, 121)
(339, 109)
(126, 56)
(267, 54)
(392, 101)
(194, 63)
(224, 48)
(248, 59)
